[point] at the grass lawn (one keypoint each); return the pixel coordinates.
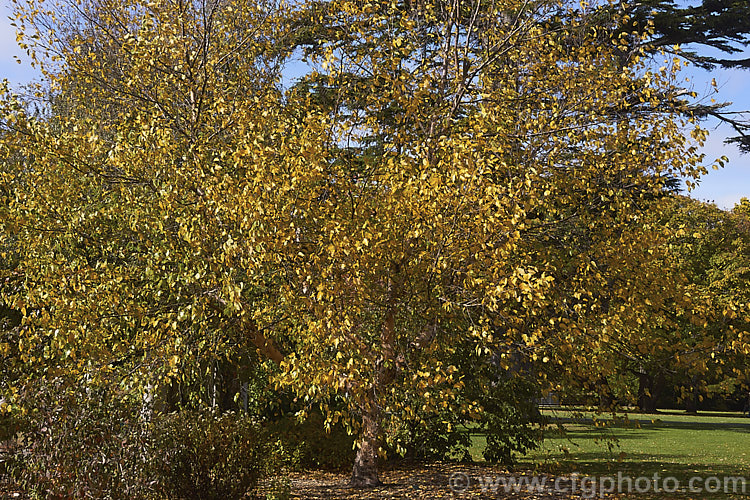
(672, 445)
(668, 444)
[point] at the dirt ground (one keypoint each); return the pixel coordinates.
(434, 480)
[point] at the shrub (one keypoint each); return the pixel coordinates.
(511, 419)
(202, 454)
(430, 436)
(78, 443)
(312, 446)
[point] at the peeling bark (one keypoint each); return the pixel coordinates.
(365, 471)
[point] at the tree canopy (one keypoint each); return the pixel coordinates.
(448, 172)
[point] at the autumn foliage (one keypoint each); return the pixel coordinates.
(443, 174)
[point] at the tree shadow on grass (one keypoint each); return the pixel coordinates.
(698, 426)
(740, 426)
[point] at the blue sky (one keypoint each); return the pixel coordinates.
(16, 73)
(724, 187)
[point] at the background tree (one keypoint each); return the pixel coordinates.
(665, 324)
(706, 34)
(709, 246)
